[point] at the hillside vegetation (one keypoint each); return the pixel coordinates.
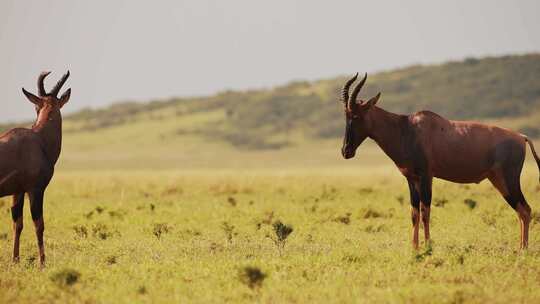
(501, 90)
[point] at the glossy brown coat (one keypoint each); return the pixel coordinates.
(28, 157)
(425, 145)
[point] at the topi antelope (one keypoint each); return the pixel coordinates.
(425, 145)
(27, 159)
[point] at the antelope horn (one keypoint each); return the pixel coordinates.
(59, 84)
(40, 84)
(345, 90)
(352, 100)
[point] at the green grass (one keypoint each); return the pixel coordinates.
(166, 236)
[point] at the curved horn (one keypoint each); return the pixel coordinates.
(40, 84)
(59, 84)
(345, 90)
(355, 92)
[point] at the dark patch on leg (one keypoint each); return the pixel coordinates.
(16, 212)
(510, 155)
(36, 207)
(425, 203)
(36, 204)
(17, 208)
(415, 203)
(415, 197)
(512, 201)
(37, 211)
(512, 180)
(425, 191)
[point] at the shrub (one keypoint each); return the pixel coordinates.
(253, 277)
(470, 203)
(65, 277)
(345, 219)
(281, 232)
(229, 231)
(160, 229)
(80, 231)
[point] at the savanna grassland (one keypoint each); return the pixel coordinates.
(191, 236)
(194, 199)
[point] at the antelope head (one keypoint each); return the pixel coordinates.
(48, 105)
(356, 122)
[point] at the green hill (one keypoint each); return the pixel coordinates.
(504, 90)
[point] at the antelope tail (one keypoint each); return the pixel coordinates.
(533, 151)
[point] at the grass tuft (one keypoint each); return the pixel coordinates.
(160, 229)
(470, 203)
(66, 277)
(252, 277)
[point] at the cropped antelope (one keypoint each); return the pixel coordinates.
(27, 159)
(425, 145)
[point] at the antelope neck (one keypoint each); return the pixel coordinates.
(50, 132)
(388, 130)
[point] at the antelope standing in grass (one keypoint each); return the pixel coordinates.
(27, 159)
(425, 145)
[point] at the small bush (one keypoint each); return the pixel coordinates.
(281, 232)
(117, 214)
(111, 260)
(232, 201)
(80, 231)
(470, 203)
(345, 219)
(420, 256)
(351, 259)
(374, 228)
(142, 290)
(372, 214)
(229, 231)
(31, 260)
(253, 277)
(101, 231)
(160, 229)
(440, 202)
(65, 277)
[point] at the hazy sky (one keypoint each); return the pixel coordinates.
(139, 50)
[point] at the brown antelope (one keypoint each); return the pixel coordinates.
(425, 145)
(27, 159)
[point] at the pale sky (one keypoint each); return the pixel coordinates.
(141, 50)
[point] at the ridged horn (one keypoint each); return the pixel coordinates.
(345, 89)
(41, 85)
(352, 100)
(59, 84)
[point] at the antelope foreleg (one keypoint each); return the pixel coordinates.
(17, 217)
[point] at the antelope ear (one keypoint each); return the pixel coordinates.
(373, 100)
(33, 98)
(65, 97)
